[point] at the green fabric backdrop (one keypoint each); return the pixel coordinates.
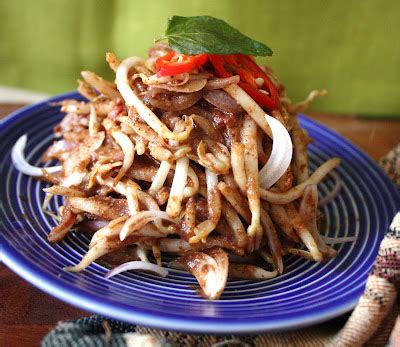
(349, 47)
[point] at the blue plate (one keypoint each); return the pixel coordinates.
(306, 294)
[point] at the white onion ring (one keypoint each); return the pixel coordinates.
(138, 265)
(281, 154)
(19, 161)
(334, 192)
(219, 83)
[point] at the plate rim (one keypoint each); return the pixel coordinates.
(76, 297)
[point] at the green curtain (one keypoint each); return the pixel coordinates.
(350, 47)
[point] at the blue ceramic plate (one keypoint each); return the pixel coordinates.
(306, 294)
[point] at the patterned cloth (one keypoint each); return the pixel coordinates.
(370, 324)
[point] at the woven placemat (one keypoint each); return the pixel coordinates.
(374, 322)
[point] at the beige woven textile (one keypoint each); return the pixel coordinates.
(370, 324)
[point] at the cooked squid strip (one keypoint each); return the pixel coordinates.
(250, 106)
(303, 232)
(210, 269)
(296, 192)
(234, 222)
(86, 90)
(105, 207)
(280, 217)
(74, 167)
(207, 127)
(220, 241)
(249, 139)
(173, 245)
(273, 240)
(68, 219)
(237, 162)
(102, 86)
(238, 202)
(249, 272)
(148, 116)
(203, 229)
(219, 83)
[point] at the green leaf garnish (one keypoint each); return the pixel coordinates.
(206, 34)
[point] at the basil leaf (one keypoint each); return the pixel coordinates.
(206, 34)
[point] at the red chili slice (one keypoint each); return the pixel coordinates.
(248, 70)
(175, 63)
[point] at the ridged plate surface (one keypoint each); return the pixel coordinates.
(307, 293)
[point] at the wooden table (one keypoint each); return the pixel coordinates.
(27, 314)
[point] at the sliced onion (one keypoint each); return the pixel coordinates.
(334, 192)
(223, 101)
(189, 87)
(219, 83)
(19, 161)
(138, 265)
(170, 101)
(281, 154)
